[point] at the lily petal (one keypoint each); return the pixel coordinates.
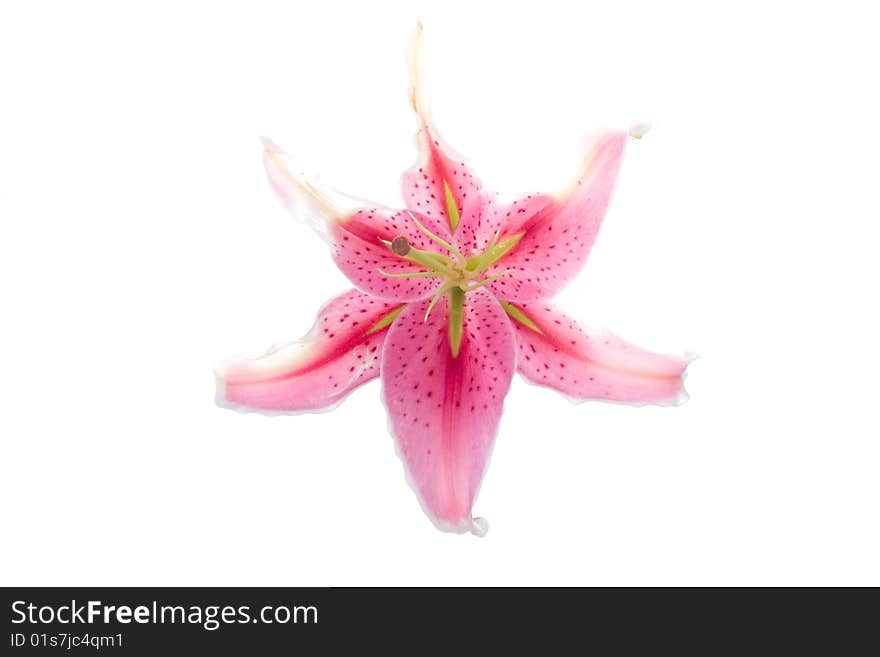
(559, 232)
(444, 410)
(480, 225)
(440, 184)
(340, 353)
(354, 230)
(583, 364)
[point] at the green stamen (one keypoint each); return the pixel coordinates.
(428, 260)
(412, 274)
(486, 281)
(436, 298)
(446, 245)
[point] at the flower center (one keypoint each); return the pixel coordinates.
(460, 274)
(457, 270)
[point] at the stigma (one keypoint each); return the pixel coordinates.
(400, 246)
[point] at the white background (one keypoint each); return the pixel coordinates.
(140, 244)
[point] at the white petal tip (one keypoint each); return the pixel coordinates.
(681, 398)
(414, 60)
(479, 527)
(691, 356)
(220, 388)
(639, 130)
(220, 369)
(270, 145)
(415, 43)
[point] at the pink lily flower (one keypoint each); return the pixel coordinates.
(451, 297)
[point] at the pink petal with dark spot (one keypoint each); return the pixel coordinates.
(586, 364)
(479, 225)
(559, 233)
(316, 372)
(444, 411)
(423, 190)
(359, 252)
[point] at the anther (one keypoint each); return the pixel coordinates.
(400, 245)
